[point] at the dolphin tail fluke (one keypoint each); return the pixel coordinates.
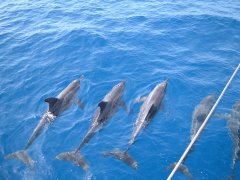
(74, 157)
(123, 156)
(182, 168)
(22, 156)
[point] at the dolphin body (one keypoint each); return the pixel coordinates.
(151, 104)
(57, 105)
(199, 115)
(233, 124)
(105, 110)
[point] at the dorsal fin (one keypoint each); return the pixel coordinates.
(102, 105)
(151, 111)
(51, 101)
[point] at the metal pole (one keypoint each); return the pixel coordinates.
(202, 126)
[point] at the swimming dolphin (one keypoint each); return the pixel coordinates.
(57, 105)
(233, 124)
(105, 110)
(199, 115)
(151, 104)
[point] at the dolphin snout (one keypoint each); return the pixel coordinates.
(164, 83)
(76, 81)
(124, 82)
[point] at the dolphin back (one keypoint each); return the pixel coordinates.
(74, 157)
(47, 117)
(22, 156)
(122, 156)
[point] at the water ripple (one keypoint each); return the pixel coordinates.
(44, 45)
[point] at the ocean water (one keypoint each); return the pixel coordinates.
(44, 45)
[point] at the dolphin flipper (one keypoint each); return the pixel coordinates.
(79, 103)
(140, 99)
(123, 156)
(74, 157)
(123, 105)
(22, 156)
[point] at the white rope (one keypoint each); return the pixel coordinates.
(202, 126)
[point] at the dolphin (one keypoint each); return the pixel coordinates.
(105, 110)
(233, 124)
(57, 105)
(149, 108)
(199, 115)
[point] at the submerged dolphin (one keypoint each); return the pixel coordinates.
(199, 115)
(151, 104)
(57, 105)
(233, 124)
(105, 110)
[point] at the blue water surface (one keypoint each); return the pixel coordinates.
(46, 44)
